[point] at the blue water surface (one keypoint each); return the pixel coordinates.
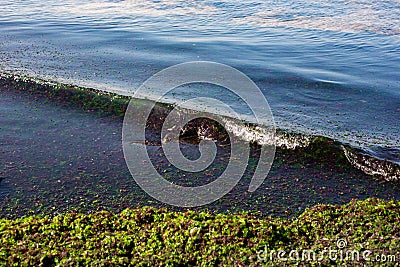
(328, 68)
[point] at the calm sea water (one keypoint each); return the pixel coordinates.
(327, 68)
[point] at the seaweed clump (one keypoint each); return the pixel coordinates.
(158, 237)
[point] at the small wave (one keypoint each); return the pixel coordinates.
(389, 171)
(265, 136)
(261, 135)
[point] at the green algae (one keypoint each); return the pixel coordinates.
(158, 237)
(67, 94)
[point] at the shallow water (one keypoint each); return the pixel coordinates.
(58, 158)
(326, 67)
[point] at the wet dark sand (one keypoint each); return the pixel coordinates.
(55, 157)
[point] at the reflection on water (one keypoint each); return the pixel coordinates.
(382, 17)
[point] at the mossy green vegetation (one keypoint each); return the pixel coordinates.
(70, 95)
(158, 237)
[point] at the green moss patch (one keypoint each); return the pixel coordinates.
(69, 95)
(157, 237)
